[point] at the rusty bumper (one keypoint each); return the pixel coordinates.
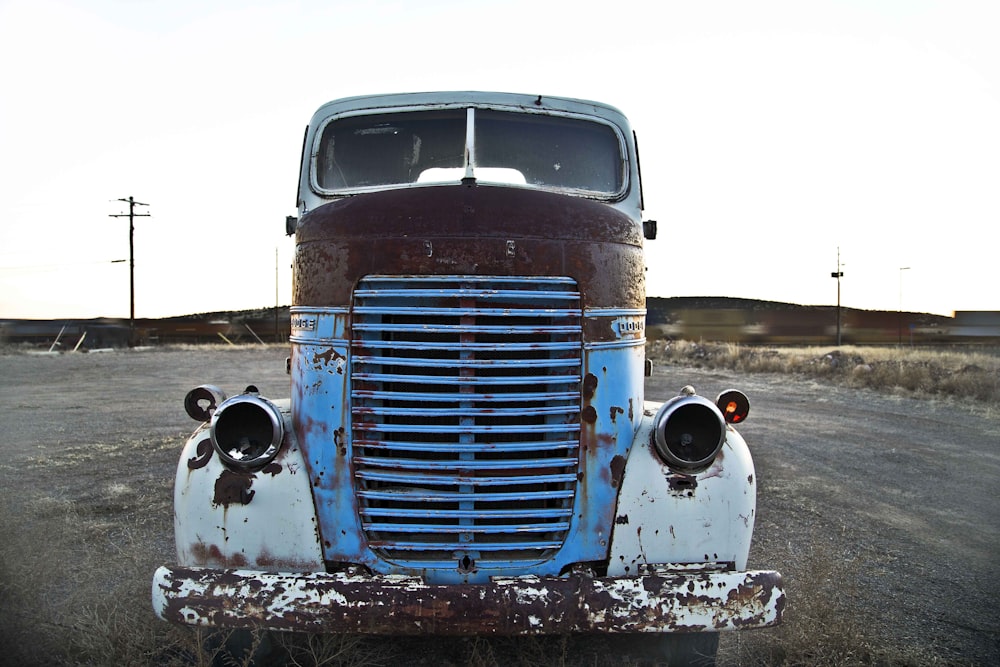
(688, 601)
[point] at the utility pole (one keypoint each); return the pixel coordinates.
(277, 338)
(131, 215)
(838, 274)
(899, 319)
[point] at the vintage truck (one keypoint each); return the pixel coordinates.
(466, 448)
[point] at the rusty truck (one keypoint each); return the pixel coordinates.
(466, 448)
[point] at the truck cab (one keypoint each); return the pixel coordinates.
(467, 448)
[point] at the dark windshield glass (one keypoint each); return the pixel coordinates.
(389, 149)
(551, 151)
(411, 147)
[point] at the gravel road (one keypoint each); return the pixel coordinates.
(885, 506)
(895, 496)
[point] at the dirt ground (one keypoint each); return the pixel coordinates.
(896, 497)
(880, 508)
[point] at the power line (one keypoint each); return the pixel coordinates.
(63, 265)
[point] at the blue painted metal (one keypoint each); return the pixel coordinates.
(482, 443)
(463, 444)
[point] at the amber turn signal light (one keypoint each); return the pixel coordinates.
(734, 406)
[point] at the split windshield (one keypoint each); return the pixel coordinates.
(445, 146)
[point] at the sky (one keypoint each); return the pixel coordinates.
(773, 135)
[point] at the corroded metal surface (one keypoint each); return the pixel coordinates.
(257, 518)
(467, 414)
(683, 601)
(469, 230)
(663, 515)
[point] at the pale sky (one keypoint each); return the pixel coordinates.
(771, 134)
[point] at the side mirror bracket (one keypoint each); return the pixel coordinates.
(649, 229)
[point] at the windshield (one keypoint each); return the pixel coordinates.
(445, 146)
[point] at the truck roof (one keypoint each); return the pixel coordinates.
(424, 100)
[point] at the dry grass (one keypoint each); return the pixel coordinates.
(821, 626)
(75, 564)
(963, 373)
(76, 556)
(81, 597)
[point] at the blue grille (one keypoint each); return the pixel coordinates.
(465, 404)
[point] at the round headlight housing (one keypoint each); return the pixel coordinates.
(202, 401)
(247, 431)
(688, 432)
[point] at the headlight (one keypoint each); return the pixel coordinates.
(202, 401)
(247, 430)
(688, 432)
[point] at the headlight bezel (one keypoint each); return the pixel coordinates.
(247, 431)
(688, 433)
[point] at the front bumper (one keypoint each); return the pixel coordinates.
(695, 600)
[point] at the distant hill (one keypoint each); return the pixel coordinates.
(659, 308)
(691, 317)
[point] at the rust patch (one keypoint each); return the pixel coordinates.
(615, 411)
(683, 485)
(338, 441)
(617, 470)
(203, 454)
(199, 551)
(589, 386)
(271, 469)
(468, 229)
(328, 357)
(233, 488)
(210, 554)
(589, 414)
(354, 604)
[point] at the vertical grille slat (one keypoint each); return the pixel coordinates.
(465, 404)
